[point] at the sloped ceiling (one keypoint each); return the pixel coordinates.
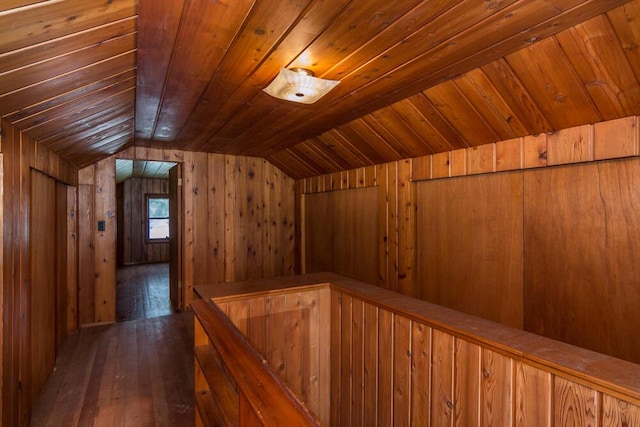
(88, 78)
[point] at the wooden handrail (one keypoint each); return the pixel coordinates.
(263, 398)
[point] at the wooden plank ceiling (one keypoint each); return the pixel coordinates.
(88, 78)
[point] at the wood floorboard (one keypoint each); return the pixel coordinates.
(136, 373)
(142, 291)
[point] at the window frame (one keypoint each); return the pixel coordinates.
(147, 197)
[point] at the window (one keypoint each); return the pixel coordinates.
(157, 217)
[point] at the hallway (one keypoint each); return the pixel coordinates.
(138, 372)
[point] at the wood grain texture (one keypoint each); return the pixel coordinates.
(474, 250)
(289, 330)
(23, 157)
(458, 369)
(338, 233)
(591, 207)
(43, 290)
(138, 372)
(133, 233)
(532, 385)
(262, 397)
(216, 239)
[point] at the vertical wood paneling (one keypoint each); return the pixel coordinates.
(258, 324)
(218, 235)
(188, 224)
(420, 373)
(276, 345)
(238, 312)
(392, 227)
(346, 361)
(42, 310)
(575, 404)
(402, 350)
(470, 259)
(496, 389)
(336, 357)
(532, 396)
(134, 234)
(617, 412)
(86, 252)
(481, 159)
(535, 151)
(200, 218)
(310, 348)
(105, 242)
(325, 366)
(21, 158)
(254, 212)
(509, 154)
(294, 351)
(215, 227)
(442, 402)
(571, 145)
(594, 294)
(467, 383)
(384, 273)
(406, 230)
(391, 370)
(338, 233)
(616, 138)
(371, 351)
(358, 408)
(385, 367)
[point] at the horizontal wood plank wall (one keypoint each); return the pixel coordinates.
(390, 369)
(238, 223)
(136, 249)
(20, 156)
(292, 331)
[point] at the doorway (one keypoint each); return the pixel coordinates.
(143, 249)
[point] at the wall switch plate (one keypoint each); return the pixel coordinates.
(102, 226)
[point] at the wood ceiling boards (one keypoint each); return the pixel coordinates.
(88, 78)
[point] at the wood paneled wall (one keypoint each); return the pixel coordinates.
(583, 257)
(395, 213)
(238, 224)
(20, 156)
(464, 206)
(291, 331)
(132, 227)
(469, 242)
(391, 369)
(341, 233)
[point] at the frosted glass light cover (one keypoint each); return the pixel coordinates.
(299, 86)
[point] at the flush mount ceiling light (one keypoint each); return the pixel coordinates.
(299, 85)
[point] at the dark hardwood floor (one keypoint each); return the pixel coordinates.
(142, 292)
(133, 373)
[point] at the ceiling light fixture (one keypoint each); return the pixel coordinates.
(299, 85)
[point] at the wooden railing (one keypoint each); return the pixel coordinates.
(234, 384)
(357, 354)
